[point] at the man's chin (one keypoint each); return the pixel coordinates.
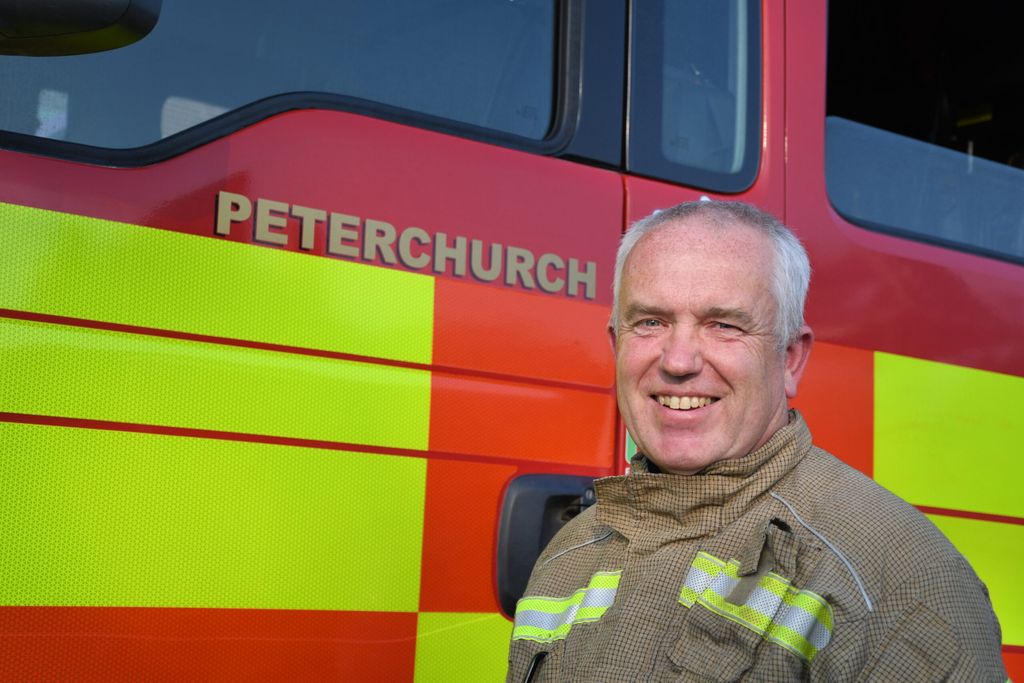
(690, 462)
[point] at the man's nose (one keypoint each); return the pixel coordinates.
(681, 353)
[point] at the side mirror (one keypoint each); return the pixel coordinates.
(47, 28)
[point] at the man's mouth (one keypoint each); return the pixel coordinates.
(685, 402)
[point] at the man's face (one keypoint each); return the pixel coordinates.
(699, 374)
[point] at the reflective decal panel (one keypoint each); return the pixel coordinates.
(98, 270)
(948, 436)
(996, 552)
(453, 646)
(102, 517)
(76, 372)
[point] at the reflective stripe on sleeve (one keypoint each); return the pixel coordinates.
(798, 620)
(545, 619)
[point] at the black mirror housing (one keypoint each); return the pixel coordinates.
(536, 506)
(35, 28)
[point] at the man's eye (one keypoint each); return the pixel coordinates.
(724, 326)
(647, 326)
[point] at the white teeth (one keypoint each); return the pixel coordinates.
(685, 402)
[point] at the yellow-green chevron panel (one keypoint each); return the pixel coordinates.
(462, 647)
(98, 374)
(996, 551)
(63, 264)
(948, 436)
(107, 518)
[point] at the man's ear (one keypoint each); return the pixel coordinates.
(797, 353)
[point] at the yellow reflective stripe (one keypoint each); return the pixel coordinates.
(704, 570)
(108, 518)
(97, 374)
(996, 552)
(605, 580)
(792, 641)
(799, 620)
(741, 613)
(545, 619)
(927, 425)
(76, 266)
(461, 647)
(708, 563)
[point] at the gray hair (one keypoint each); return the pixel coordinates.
(790, 277)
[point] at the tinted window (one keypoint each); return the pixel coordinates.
(488, 63)
(695, 99)
(925, 128)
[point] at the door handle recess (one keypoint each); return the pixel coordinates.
(536, 506)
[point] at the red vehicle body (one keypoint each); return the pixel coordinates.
(220, 463)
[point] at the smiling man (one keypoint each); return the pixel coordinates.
(735, 549)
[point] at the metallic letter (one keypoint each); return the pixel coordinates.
(443, 253)
(476, 258)
(271, 214)
(310, 217)
(379, 236)
(405, 252)
(338, 233)
(231, 208)
(545, 260)
(518, 262)
(589, 278)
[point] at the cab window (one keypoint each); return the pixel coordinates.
(925, 121)
(485, 63)
(695, 92)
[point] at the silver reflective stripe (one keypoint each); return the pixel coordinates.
(599, 597)
(764, 601)
(545, 619)
(723, 584)
(807, 625)
(698, 580)
(799, 621)
(592, 597)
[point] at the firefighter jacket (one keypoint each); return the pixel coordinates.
(783, 565)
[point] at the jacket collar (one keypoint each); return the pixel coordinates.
(662, 507)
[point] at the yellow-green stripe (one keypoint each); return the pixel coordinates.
(97, 374)
(93, 517)
(63, 264)
(807, 610)
(996, 551)
(949, 436)
(461, 647)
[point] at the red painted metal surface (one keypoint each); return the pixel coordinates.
(1013, 657)
(875, 291)
(836, 397)
(458, 547)
(145, 644)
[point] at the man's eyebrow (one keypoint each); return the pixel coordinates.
(737, 315)
(642, 310)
